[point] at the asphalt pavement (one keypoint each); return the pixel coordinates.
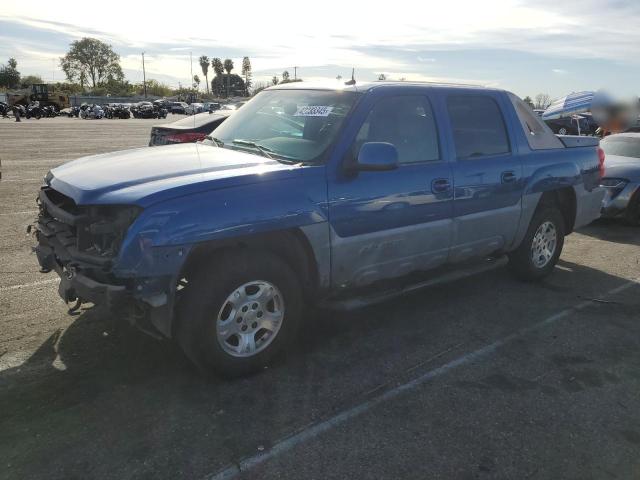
(483, 378)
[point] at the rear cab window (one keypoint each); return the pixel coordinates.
(538, 134)
(478, 126)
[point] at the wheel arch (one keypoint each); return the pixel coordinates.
(565, 200)
(291, 245)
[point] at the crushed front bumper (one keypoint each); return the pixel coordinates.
(144, 294)
(75, 285)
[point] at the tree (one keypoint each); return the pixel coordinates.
(216, 87)
(275, 80)
(217, 66)
(285, 77)
(9, 74)
(246, 72)
(228, 66)
(528, 101)
(91, 59)
(30, 80)
(233, 81)
(204, 65)
(543, 100)
(196, 82)
(156, 88)
(339, 77)
(382, 76)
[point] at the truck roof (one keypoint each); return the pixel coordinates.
(366, 86)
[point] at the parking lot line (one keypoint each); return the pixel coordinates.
(27, 285)
(313, 431)
(18, 213)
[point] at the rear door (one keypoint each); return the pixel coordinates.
(388, 223)
(487, 174)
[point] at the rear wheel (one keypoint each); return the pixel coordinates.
(238, 312)
(540, 249)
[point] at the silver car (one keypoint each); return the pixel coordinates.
(622, 177)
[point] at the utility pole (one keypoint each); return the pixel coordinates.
(191, 82)
(295, 73)
(144, 77)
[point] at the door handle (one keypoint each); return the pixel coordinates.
(440, 185)
(508, 176)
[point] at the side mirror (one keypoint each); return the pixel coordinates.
(377, 156)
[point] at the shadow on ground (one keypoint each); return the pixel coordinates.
(114, 403)
(612, 230)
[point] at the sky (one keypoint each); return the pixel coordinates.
(528, 47)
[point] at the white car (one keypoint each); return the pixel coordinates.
(194, 108)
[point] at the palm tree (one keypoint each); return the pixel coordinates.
(218, 68)
(246, 71)
(204, 65)
(228, 66)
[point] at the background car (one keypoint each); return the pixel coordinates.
(211, 106)
(569, 125)
(178, 107)
(194, 108)
(592, 125)
(187, 130)
(622, 177)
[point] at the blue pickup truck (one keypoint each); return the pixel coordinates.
(313, 195)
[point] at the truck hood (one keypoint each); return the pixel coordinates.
(622, 167)
(145, 175)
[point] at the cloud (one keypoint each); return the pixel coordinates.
(515, 44)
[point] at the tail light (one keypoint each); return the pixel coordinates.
(601, 156)
(186, 137)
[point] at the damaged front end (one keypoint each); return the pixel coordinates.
(83, 245)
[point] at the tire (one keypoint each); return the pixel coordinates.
(632, 212)
(563, 131)
(531, 261)
(208, 317)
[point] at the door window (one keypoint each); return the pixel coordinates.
(407, 122)
(477, 125)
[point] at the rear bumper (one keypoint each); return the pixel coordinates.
(588, 205)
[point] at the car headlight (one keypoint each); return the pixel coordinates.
(106, 228)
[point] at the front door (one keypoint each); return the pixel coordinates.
(388, 223)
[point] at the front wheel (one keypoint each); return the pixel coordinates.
(540, 249)
(238, 312)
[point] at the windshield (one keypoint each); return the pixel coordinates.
(297, 125)
(621, 146)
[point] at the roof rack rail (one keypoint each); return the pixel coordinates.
(429, 82)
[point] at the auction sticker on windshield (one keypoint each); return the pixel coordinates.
(313, 111)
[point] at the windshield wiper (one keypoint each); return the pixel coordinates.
(216, 141)
(262, 149)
